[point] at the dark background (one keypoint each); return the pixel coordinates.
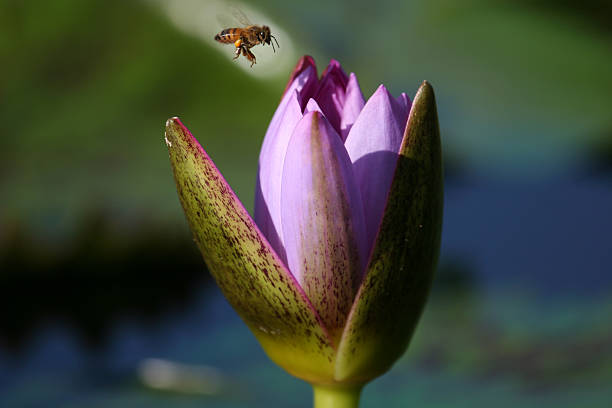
(104, 299)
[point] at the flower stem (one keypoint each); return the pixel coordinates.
(336, 397)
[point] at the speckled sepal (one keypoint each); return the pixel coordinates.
(246, 268)
(400, 271)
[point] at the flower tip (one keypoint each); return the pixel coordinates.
(171, 125)
(382, 95)
(173, 120)
(381, 89)
(425, 88)
(303, 64)
(425, 98)
(176, 132)
(306, 60)
(334, 65)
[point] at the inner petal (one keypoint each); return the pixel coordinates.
(353, 104)
(331, 93)
(373, 144)
(323, 221)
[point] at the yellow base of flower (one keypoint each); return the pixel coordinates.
(336, 397)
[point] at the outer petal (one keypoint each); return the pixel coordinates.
(373, 146)
(353, 104)
(271, 159)
(400, 271)
(323, 220)
(251, 276)
(331, 93)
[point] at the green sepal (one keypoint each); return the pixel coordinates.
(401, 268)
(246, 268)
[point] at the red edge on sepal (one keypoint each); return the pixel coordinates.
(193, 142)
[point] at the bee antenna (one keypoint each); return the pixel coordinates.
(274, 38)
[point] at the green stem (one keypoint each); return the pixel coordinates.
(336, 397)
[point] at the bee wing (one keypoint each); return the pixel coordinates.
(240, 16)
(225, 21)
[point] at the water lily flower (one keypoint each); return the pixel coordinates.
(333, 271)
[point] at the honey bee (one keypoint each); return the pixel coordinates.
(246, 37)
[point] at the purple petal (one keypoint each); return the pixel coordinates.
(403, 261)
(312, 106)
(353, 104)
(404, 102)
(323, 222)
(304, 64)
(271, 159)
(331, 93)
(307, 88)
(373, 144)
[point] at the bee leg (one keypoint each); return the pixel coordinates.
(240, 47)
(251, 57)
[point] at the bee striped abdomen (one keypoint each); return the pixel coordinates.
(229, 35)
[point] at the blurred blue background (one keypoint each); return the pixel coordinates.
(104, 300)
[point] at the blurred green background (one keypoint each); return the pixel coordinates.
(104, 300)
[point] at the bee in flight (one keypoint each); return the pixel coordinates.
(247, 37)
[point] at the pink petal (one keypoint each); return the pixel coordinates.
(271, 159)
(373, 144)
(312, 81)
(405, 103)
(323, 222)
(353, 104)
(331, 93)
(312, 106)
